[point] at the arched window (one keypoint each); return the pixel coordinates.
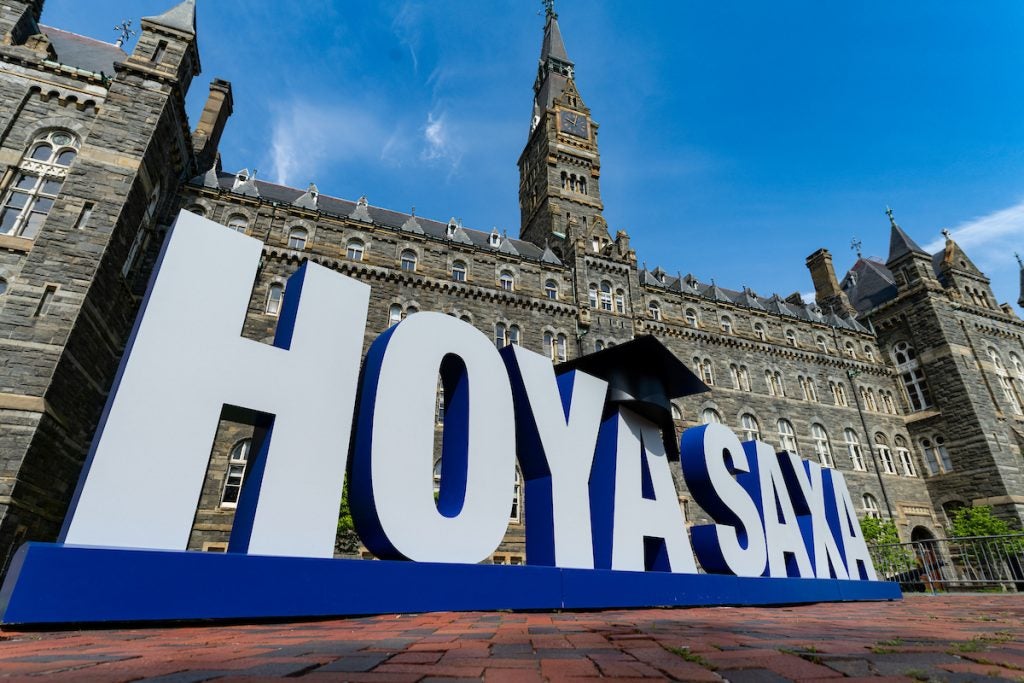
(773, 378)
(593, 295)
(885, 454)
(888, 402)
(904, 458)
(39, 178)
(822, 447)
(238, 223)
(197, 209)
(394, 314)
(851, 351)
(691, 318)
(704, 369)
(869, 353)
(677, 413)
(787, 437)
(562, 348)
(936, 457)
(791, 338)
(355, 250)
(821, 344)
(233, 478)
(598, 345)
(459, 271)
(912, 375)
(620, 301)
(1005, 383)
(501, 335)
(838, 393)
(507, 280)
(870, 506)
(726, 324)
(867, 397)
(408, 260)
(297, 238)
(513, 334)
(760, 332)
(751, 428)
(516, 515)
(551, 289)
(809, 390)
(275, 295)
(549, 345)
(654, 310)
(410, 310)
(854, 450)
(606, 296)
(710, 416)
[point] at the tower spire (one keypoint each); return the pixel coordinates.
(555, 67)
(1020, 299)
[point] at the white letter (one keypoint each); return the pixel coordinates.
(804, 480)
(142, 481)
(781, 528)
(710, 456)
(557, 420)
(843, 519)
(391, 490)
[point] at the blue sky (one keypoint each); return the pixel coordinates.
(736, 137)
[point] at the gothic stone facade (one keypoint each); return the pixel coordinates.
(905, 376)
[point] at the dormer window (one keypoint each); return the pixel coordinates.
(494, 239)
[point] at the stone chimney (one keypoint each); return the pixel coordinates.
(206, 138)
(827, 292)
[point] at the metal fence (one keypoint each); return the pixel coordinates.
(942, 564)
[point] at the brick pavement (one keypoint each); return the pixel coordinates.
(946, 638)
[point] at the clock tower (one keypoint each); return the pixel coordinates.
(560, 169)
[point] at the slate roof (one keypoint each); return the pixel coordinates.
(84, 53)
(869, 284)
(396, 220)
(901, 244)
(181, 17)
(746, 298)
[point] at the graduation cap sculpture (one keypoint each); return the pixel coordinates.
(644, 376)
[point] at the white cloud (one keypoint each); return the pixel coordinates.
(438, 142)
(406, 27)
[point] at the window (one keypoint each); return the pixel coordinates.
(787, 437)
(238, 223)
(751, 429)
(507, 280)
(513, 334)
(810, 392)
(394, 314)
(85, 216)
(704, 369)
(870, 506)
(408, 260)
(726, 324)
(459, 271)
(903, 456)
(791, 338)
(556, 346)
(691, 318)
(912, 375)
(598, 345)
(439, 405)
(3, 286)
(869, 353)
(354, 250)
(517, 499)
(936, 457)
(677, 413)
(158, 54)
(620, 301)
(142, 234)
(1005, 383)
(593, 296)
(562, 344)
(551, 289)
(297, 238)
(654, 310)
(274, 297)
(196, 209)
(740, 377)
(606, 296)
(888, 402)
(39, 178)
(882, 443)
(710, 416)
(850, 350)
(822, 447)
(838, 393)
(867, 397)
(235, 475)
(759, 332)
(773, 379)
(501, 335)
(821, 344)
(854, 450)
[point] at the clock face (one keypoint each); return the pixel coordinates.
(574, 124)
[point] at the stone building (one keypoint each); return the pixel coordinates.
(905, 375)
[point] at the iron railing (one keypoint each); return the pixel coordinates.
(942, 564)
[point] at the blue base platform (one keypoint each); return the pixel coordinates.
(56, 584)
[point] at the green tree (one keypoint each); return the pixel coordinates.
(347, 540)
(890, 558)
(978, 521)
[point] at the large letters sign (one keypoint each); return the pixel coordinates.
(604, 527)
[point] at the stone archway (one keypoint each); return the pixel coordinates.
(921, 533)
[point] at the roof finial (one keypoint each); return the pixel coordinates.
(413, 211)
(857, 245)
(947, 234)
(1019, 262)
(892, 221)
(124, 32)
(549, 8)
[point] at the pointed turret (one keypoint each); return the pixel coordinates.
(167, 46)
(181, 17)
(900, 243)
(555, 68)
(909, 263)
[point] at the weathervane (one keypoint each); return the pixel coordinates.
(856, 245)
(124, 31)
(1019, 262)
(947, 234)
(549, 7)
(888, 212)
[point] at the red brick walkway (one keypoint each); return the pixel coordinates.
(946, 638)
